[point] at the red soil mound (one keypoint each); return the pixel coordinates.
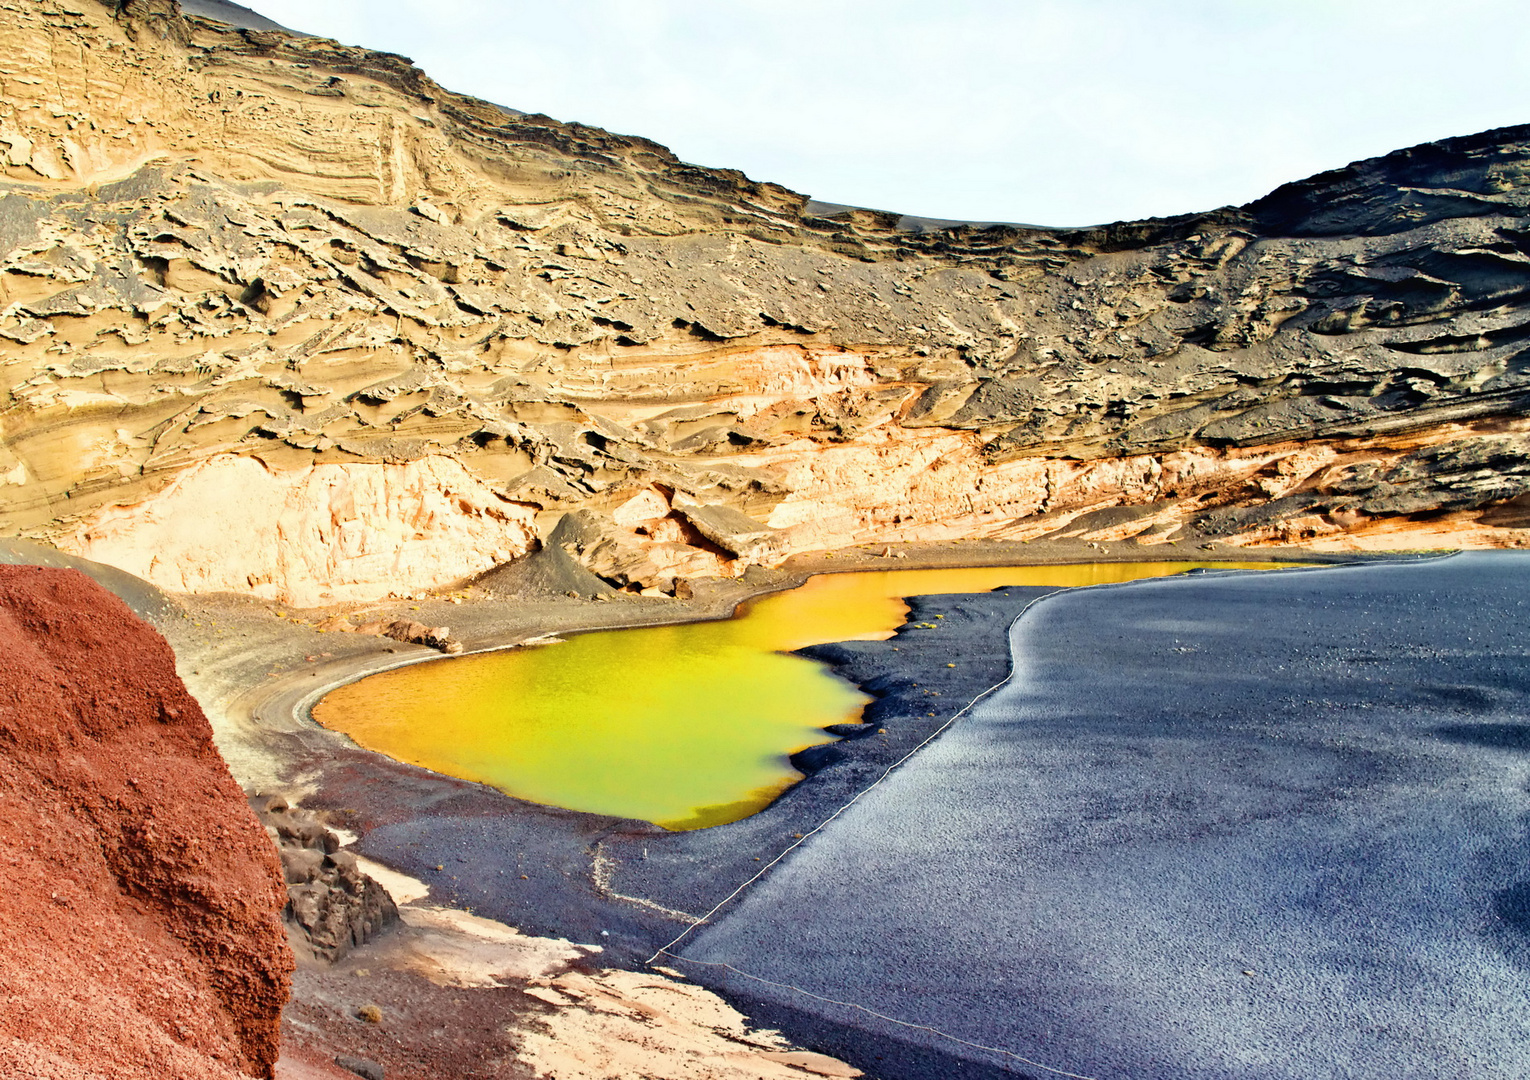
(140, 900)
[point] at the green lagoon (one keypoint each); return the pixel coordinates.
(686, 726)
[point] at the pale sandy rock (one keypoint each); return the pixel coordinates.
(740, 536)
(460, 949)
(403, 888)
(647, 505)
(311, 536)
(616, 1024)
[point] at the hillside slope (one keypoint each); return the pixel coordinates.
(285, 316)
(140, 927)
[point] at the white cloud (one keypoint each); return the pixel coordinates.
(1053, 111)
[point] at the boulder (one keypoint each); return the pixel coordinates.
(736, 533)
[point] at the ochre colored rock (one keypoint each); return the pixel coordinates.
(285, 317)
(140, 913)
(313, 535)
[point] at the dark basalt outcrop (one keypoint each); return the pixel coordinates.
(331, 905)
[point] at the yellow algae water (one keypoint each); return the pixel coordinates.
(686, 726)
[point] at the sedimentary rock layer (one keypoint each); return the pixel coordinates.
(140, 932)
(294, 267)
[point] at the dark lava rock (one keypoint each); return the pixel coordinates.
(363, 1067)
(330, 902)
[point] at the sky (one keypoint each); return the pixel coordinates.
(1048, 112)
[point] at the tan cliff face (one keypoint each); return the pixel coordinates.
(314, 536)
(283, 316)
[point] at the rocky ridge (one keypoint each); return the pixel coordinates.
(286, 317)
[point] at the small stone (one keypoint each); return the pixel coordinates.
(363, 1067)
(370, 1014)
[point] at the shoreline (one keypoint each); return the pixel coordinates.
(266, 691)
(257, 669)
(625, 885)
(399, 810)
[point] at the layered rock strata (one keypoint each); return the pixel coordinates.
(285, 316)
(140, 933)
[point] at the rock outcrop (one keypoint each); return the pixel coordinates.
(332, 906)
(321, 534)
(411, 633)
(140, 932)
(302, 291)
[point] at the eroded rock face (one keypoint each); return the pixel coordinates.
(332, 906)
(364, 271)
(309, 536)
(140, 932)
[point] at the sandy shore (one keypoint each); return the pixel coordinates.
(257, 667)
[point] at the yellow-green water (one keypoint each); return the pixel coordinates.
(687, 726)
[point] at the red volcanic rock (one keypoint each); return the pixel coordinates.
(140, 901)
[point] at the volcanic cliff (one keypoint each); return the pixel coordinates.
(285, 317)
(141, 910)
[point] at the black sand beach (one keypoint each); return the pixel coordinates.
(1267, 826)
(1264, 826)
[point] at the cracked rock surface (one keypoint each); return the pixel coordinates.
(261, 292)
(332, 906)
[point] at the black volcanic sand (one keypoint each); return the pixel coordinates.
(1267, 826)
(630, 886)
(414, 820)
